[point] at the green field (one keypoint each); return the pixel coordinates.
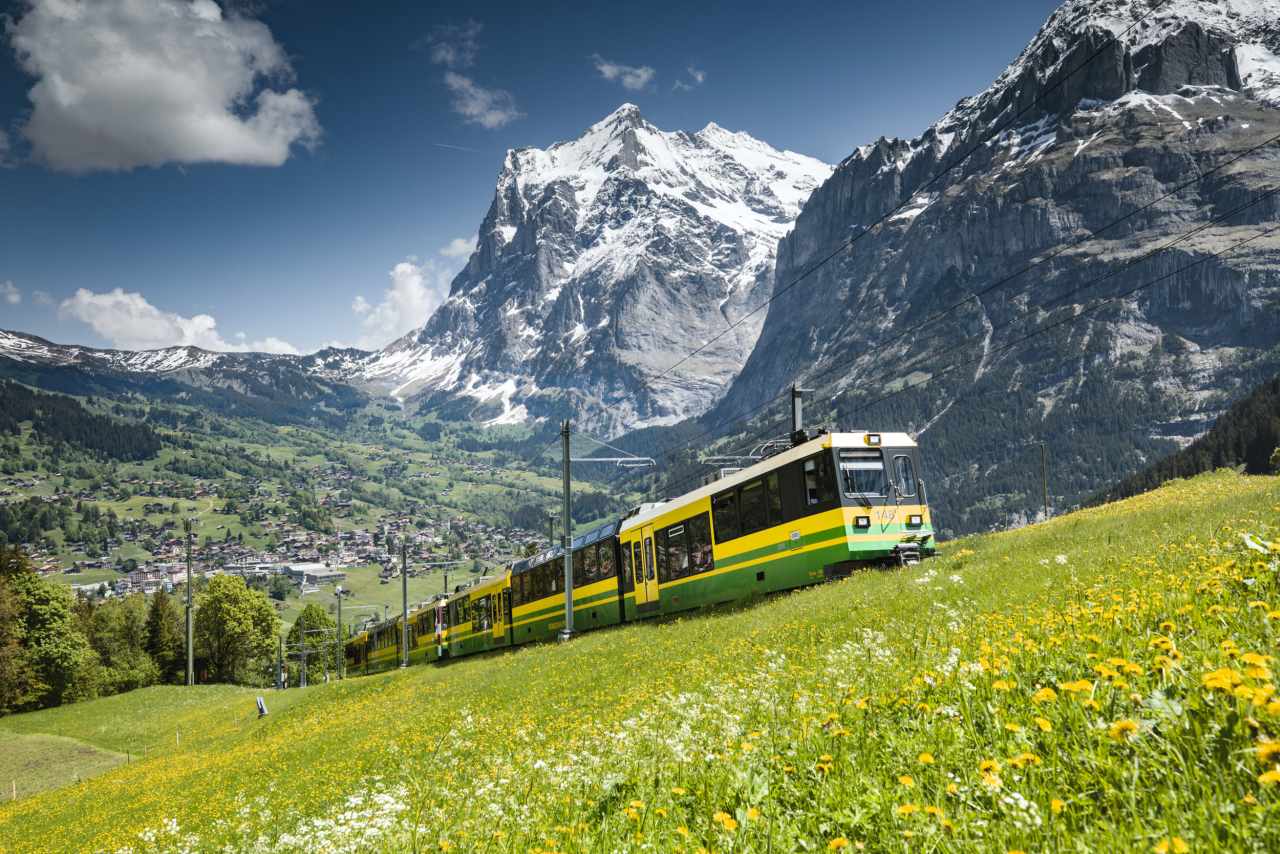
(1102, 681)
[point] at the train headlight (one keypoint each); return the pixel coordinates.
(915, 520)
(873, 439)
(862, 521)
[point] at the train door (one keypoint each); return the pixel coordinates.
(647, 587)
(501, 612)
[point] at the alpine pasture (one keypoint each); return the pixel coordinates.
(1103, 681)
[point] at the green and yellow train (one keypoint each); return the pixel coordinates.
(818, 510)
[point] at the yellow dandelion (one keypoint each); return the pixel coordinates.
(988, 766)
(907, 809)
(837, 844)
(925, 758)
(752, 814)
(1269, 778)
(1013, 727)
(1044, 695)
(1057, 805)
(953, 789)
(1268, 750)
(1174, 844)
(906, 780)
(1044, 725)
(678, 790)
(1122, 730)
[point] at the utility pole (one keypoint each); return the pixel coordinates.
(342, 652)
(302, 678)
(191, 656)
(279, 662)
(567, 538)
(404, 601)
(1044, 475)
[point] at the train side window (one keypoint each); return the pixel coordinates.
(791, 485)
(724, 513)
(628, 584)
(754, 506)
(699, 528)
(819, 481)
(904, 476)
(774, 491)
(556, 579)
(593, 562)
(607, 569)
(638, 561)
(660, 545)
(677, 553)
(648, 558)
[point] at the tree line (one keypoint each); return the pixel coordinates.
(60, 419)
(56, 648)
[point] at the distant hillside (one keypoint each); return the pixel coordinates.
(1247, 434)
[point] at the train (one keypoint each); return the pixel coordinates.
(830, 503)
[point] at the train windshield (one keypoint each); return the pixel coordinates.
(862, 473)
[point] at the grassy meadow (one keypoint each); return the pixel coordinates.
(1103, 681)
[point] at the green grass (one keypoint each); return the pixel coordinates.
(30, 764)
(369, 595)
(902, 709)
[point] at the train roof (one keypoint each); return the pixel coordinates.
(595, 535)
(854, 439)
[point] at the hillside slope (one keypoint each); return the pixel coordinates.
(1247, 435)
(1000, 697)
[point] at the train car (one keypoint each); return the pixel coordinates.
(815, 511)
(379, 646)
(537, 588)
(479, 617)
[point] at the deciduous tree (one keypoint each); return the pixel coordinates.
(235, 629)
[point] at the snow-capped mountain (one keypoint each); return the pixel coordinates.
(1151, 107)
(600, 263)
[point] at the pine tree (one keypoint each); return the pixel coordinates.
(164, 636)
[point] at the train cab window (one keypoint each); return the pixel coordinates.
(608, 562)
(904, 476)
(819, 481)
(699, 533)
(724, 513)
(862, 473)
(753, 503)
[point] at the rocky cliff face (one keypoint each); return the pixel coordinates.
(601, 262)
(1195, 85)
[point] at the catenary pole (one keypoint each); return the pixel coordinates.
(339, 665)
(191, 656)
(1044, 475)
(404, 601)
(566, 537)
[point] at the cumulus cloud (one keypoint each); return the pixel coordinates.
(130, 322)
(696, 78)
(633, 77)
(453, 45)
(489, 108)
(9, 293)
(128, 83)
(417, 290)
(459, 247)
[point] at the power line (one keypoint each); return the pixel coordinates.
(850, 241)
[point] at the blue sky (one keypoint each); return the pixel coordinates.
(154, 194)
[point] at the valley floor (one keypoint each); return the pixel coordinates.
(1099, 682)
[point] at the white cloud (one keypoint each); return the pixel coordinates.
(459, 247)
(128, 83)
(130, 322)
(9, 293)
(696, 78)
(634, 77)
(698, 75)
(489, 108)
(416, 291)
(454, 45)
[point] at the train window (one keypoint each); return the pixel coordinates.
(754, 506)
(862, 473)
(819, 482)
(677, 553)
(648, 558)
(775, 499)
(555, 579)
(699, 528)
(791, 484)
(591, 563)
(638, 561)
(724, 512)
(904, 476)
(627, 583)
(607, 569)
(661, 545)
